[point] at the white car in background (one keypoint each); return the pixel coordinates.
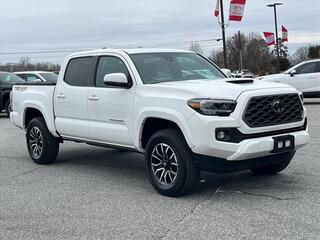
(37, 76)
(244, 73)
(304, 76)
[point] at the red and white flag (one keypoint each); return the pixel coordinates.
(236, 10)
(269, 36)
(284, 34)
(216, 11)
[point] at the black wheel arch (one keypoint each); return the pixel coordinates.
(151, 125)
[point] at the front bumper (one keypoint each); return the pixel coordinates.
(203, 129)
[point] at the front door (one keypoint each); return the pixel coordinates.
(110, 107)
(306, 78)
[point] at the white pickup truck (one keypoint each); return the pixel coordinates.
(175, 106)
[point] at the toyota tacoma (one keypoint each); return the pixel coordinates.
(175, 106)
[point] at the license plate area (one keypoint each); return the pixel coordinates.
(283, 144)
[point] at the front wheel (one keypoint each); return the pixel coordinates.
(169, 164)
(43, 147)
(285, 159)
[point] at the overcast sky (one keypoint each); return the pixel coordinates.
(41, 25)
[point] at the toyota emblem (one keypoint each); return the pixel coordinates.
(277, 107)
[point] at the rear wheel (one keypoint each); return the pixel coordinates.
(273, 169)
(169, 163)
(43, 147)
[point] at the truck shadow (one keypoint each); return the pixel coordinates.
(121, 164)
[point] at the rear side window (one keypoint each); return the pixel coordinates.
(79, 71)
(28, 77)
(107, 65)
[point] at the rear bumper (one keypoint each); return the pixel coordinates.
(15, 120)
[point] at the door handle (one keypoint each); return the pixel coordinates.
(93, 98)
(61, 96)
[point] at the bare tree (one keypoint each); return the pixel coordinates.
(216, 56)
(300, 55)
(195, 47)
(255, 53)
(25, 65)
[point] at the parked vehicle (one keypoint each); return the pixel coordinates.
(174, 106)
(245, 73)
(304, 76)
(6, 82)
(38, 76)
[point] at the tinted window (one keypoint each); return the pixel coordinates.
(49, 76)
(165, 67)
(28, 77)
(109, 65)
(307, 68)
(78, 71)
(9, 77)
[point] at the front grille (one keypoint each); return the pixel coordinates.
(273, 110)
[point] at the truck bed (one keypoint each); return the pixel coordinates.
(38, 95)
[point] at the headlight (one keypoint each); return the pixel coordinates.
(212, 107)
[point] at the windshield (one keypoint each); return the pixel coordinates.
(171, 67)
(9, 77)
(49, 77)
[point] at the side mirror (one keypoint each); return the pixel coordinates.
(293, 72)
(117, 79)
(37, 80)
(226, 72)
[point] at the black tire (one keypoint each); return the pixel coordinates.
(8, 107)
(50, 144)
(285, 159)
(181, 163)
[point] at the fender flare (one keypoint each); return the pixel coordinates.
(41, 108)
(168, 114)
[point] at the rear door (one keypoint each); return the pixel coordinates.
(70, 98)
(110, 107)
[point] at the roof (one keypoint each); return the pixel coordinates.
(129, 51)
(311, 60)
(35, 72)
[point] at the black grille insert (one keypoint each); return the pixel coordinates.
(273, 110)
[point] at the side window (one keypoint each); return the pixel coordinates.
(30, 77)
(318, 67)
(78, 71)
(307, 68)
(109, 65)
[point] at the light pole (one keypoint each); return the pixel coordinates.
(274, 5)
(223, 27)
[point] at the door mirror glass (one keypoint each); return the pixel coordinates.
(116, 79)
(293, 72)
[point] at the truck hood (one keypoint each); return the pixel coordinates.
(220, 89)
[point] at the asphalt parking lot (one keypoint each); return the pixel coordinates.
(97, 193)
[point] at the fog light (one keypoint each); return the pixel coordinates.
(221, 135)
(288, 143)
